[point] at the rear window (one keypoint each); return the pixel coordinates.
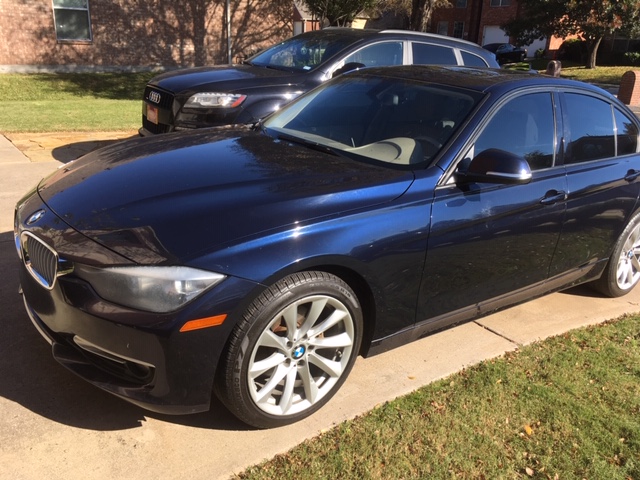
(592, 130)
(428, 54)
(471, 60)
(627, 134)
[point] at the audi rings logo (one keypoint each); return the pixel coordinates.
(154, 97)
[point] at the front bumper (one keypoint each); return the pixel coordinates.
(168, 121)
(138, 356)
(163, 112)
(160, 370)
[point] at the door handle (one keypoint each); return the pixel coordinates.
(632, 175)
(553, 197)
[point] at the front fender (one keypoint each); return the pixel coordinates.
(385, 248)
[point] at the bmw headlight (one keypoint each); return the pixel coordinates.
(153, 289)
(213, 100)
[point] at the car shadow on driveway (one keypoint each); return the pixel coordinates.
(30, 377)
(71, 151)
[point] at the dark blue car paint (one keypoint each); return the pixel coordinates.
(421, 255)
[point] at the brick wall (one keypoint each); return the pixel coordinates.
(476, 15)
(140, 33)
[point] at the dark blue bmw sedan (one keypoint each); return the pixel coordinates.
(257, 263)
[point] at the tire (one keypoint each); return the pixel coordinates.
(622, 273)
(293, 349)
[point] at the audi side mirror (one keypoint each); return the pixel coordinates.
(347, 67)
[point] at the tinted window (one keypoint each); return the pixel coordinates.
(591, 124)
(379, 54)
(426, 54)
(524, 126)
(303, 52)
(627, 134)
(471, 60)
(388, 120)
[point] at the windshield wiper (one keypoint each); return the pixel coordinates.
(308, 143)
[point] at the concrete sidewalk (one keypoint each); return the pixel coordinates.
(56, 426)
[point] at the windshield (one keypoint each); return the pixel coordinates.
(303, 52)
(391, 120)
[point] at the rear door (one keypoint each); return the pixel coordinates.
(603, 167)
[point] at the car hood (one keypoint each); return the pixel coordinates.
(223, 79)
(170, 199)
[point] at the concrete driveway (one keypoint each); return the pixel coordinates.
(55, 426)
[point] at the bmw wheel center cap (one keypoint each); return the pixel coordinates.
(299, 352)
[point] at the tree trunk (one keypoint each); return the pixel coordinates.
(592, 45)
(421, 11)
(198, 11)
(417, 11)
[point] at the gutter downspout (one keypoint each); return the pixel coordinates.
(228, 19)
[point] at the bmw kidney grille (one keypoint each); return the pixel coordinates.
(40, 259)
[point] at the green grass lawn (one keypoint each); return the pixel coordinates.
(71, 102)
(113, 101)
(601, 75)
(564, 408)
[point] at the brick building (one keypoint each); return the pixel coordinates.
(135, 34)
(478, 21)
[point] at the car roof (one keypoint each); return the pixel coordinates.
(472, 78)
(366, 33)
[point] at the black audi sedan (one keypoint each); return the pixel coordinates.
(258, 263)
(237, 94)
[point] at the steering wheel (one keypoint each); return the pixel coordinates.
(430, 145)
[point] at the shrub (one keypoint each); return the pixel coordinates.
(574, 50)
(633, 58)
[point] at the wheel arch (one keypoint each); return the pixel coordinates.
(353, 273)
(364, 294)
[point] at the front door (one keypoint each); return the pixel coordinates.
(489, 240)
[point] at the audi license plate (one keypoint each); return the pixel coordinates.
(152, 114)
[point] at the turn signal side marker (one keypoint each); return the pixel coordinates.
(203, 323)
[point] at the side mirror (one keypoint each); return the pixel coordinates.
(496, 166)
(347, 67)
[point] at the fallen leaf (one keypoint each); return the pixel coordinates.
(528, 430)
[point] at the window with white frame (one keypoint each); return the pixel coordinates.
(500, 3)
(458, 29)
(443, 28)
(72, 19)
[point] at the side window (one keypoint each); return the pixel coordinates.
(627, 133)
(471, 60)
(428, 54)
(591, 125)
(378, 54)
(524, 126)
